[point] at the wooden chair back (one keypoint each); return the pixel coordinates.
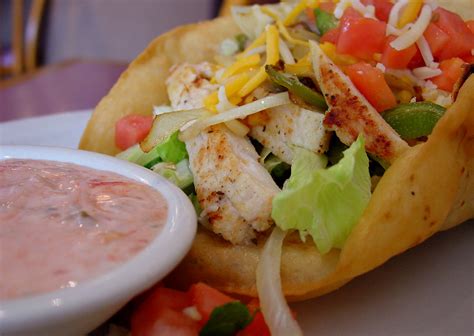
(21, 55)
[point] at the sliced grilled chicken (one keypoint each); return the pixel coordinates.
(350, 114)
(189, 84)
(289, 125)
(233, 189)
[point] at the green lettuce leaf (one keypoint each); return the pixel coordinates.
(179, 174)
(325, 203)
(170, 150)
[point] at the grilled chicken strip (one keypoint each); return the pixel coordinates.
(350, 114)
(290, 125)
(233, 189)
(189, 84)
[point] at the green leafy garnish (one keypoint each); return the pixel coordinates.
(227, 319)
(324, 21)
(325, 203)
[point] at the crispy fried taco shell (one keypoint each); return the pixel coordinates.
(428, 189)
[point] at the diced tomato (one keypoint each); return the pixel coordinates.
(468, 59)
(132, 129)
(470, 25)
(258, 326)
(461, 39)
(371, 83)
(161, 314)
(417, 60)
(452, 70)
(397, 59)
(331, 36)
(436, 38)
(360, 37)
(206, 298)
(351, 13)
(382, 8)
(167, 322)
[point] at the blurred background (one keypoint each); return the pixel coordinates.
(61, 55)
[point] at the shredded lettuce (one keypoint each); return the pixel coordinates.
(324, 203)
(179, 174)
(169, 159)
(171, 150)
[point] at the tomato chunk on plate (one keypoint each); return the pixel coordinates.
(206, 298)
(132, 129)
(258, 326)
(371, 83)
(161, 313)
(452, 70)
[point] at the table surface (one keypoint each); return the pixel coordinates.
(69, 86)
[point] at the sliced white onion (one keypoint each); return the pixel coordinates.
(369, 12)
(391, 30)
(432, 3)
(235, 113)
(416, 32)
(426, 72)
(425, 51)
(366, 11)
(224, 103)
(274, 307)
(218, 74)
(256, 50)
(381, 67)
(162, 109)
(285, 52)
(394, 15)
(193, 313)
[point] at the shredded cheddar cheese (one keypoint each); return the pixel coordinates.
(273, 56)
(241, 64)
(293, 15)
(410, 12)
(340, 59)
(259, 41)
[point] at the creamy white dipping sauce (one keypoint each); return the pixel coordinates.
(62, 224)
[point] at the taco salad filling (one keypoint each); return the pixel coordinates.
(296, 119)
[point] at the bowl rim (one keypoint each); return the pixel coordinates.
(122, 283)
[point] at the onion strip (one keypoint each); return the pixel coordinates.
(411, 36)
(235, 113)
(273, 305)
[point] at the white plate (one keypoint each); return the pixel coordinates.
(427, 290)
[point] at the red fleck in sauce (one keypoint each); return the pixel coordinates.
(61, 224)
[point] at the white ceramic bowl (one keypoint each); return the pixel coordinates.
(78, 310)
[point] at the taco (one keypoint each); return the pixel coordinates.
(348, 126)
